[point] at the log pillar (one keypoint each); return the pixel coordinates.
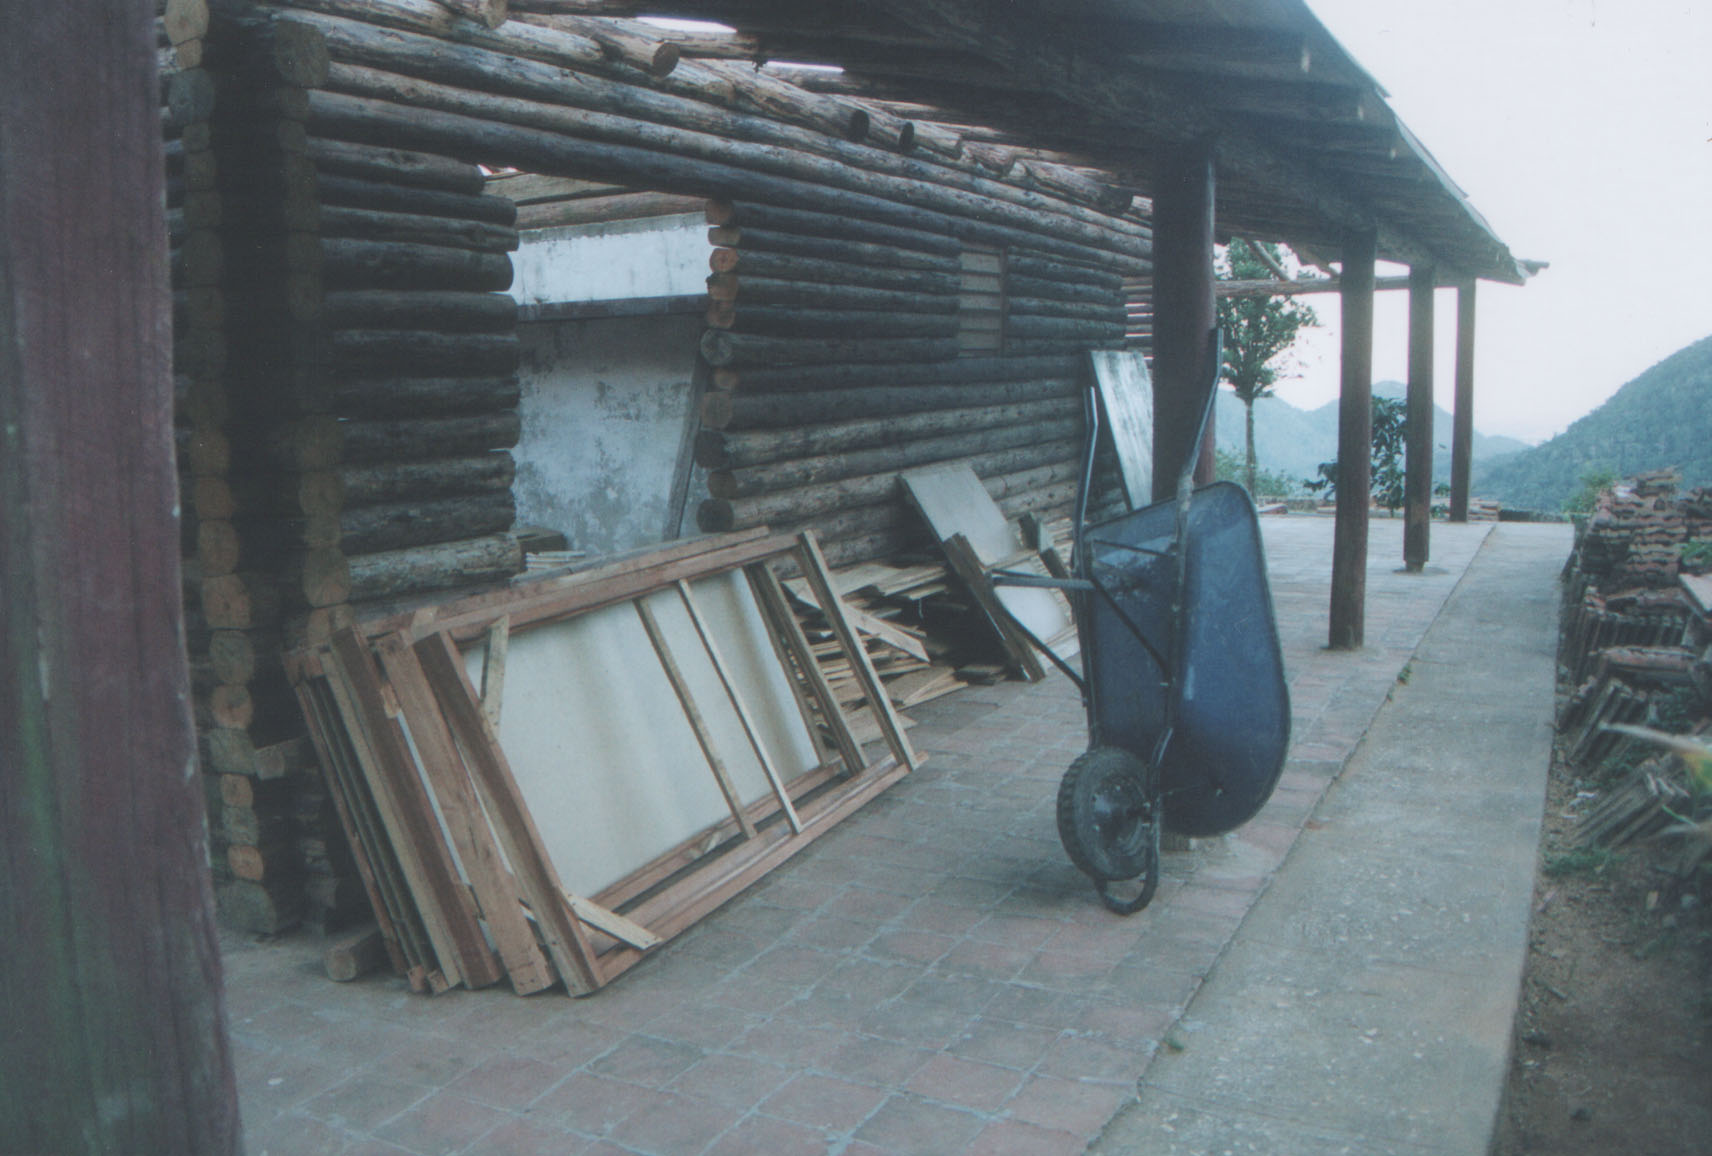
(113, 1037)
(1418, 430)
(1184, 311)
(1462, 424)
(1355, 445)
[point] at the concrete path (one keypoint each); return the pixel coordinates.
(1365, 1004)
(933, 976)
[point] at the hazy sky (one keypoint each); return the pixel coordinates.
(1582, 131)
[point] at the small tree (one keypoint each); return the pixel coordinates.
(1257, 330)
(1386, 477)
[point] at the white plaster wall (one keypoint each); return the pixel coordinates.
(605, 407)
(612, 261)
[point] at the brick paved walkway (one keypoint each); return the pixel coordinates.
(931, 977)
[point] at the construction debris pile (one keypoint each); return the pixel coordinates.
(1637, 649)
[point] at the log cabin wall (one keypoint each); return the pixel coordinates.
(348, 358)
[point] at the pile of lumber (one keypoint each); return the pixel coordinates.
(479, 856)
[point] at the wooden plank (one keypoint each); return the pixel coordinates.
(787, 632)
(814, 568)
(768, 767)
(512, 822)
(463, 820)
(411, 826)
(394, 907)
(794, 676)
(1126, 394)
(967, 566)
(493, 669)
(954, 502)
(692, 712)
(335, 766)
(355, 955)
(613, 924)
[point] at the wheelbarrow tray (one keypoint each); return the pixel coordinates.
(1232, 726)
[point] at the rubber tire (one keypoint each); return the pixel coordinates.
(1091, 785)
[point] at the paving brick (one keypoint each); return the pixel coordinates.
(645, 1060)
(1076, 1106)
(759, 1135)
(964, 1083)
(441, 1124)
(907, 1125)
(732, 1080)
(1075, 1057)
(507, 1081)
(590, 1104)
(882, 1063)
(824, 1102)
(363, 1102)
(1014, 1138)
(991, 960)
(675, 1126)
(833, 933)
(517, 1137)
(1009, 1045)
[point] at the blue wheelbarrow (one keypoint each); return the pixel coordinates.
(1183, 680)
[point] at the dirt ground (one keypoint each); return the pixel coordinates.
(1613, 1047)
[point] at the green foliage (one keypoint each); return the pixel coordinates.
(1390, 420)
(1228, 466)
(1594, 482)
(1697, 555)
(1661, 418)
(1257, 332)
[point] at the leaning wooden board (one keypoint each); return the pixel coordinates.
(957, 506)
(650, 741)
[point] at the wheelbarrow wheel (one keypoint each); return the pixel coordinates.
(1108, 821)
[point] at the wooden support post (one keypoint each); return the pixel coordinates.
(114, 1037)
(1462, 424)
(1418, 437)
(1183, 310)
(1355, 445)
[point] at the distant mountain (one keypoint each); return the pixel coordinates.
(1294, 442)
(1661, 418)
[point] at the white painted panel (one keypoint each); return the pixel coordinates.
(603, 754)
(612, 260)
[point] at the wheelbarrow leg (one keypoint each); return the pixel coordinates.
(1109, 821)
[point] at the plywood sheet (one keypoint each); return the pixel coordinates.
(954, 501)
(603, 755)
(1127, 393)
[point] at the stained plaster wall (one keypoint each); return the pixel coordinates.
(606, 407)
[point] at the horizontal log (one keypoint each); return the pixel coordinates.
(1106, 313)
(385, 397)
(1032, 326)
(830, 249)
(965, 370)
(416, 228)
(803, 503)
(721, 450)
(721, 347)
(365, 194)
(775, 221)
(810, 294)
(769, 411)
(623, 40)
(354, 264)
(1022, 286)
(551, 138)
(275, 861)
(239, 601)
(750, 481)
(1079, 346)
(789, 267)
(396, 525)
(594, 210)
(1024, 264)
(794, 321)
(420, 569)
(754, 142)
(427, 438)
(285, 50)
(406, 351)
(393, 166)
(438, 478)
(445, 311)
